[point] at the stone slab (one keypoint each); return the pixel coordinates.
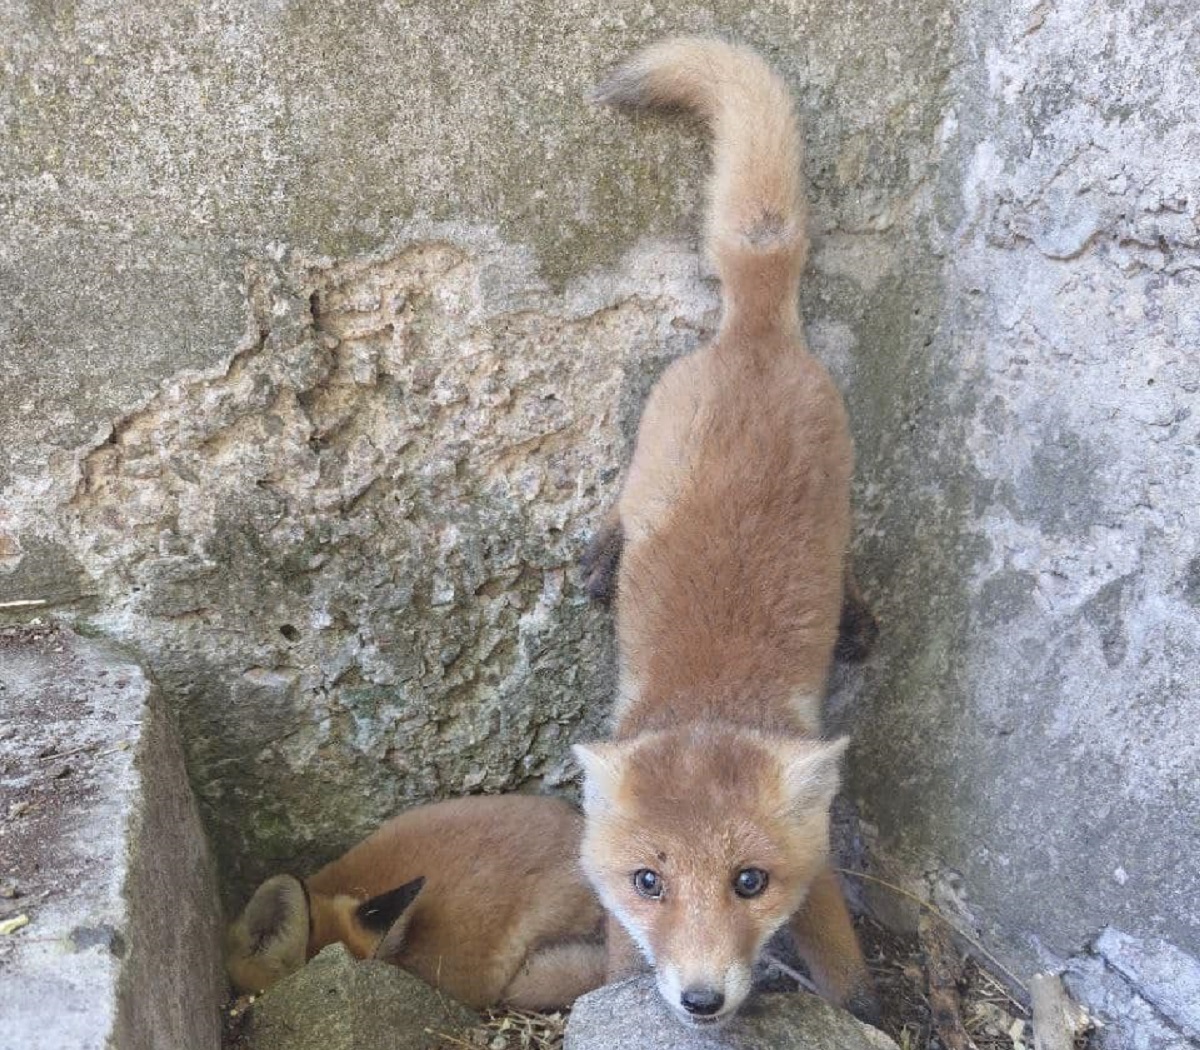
(100, 844)
(633, 1014)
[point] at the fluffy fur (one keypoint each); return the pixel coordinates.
(731, 527)
(482, 897)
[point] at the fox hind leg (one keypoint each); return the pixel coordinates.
(602, 558)
(857, 628)
(556, 975)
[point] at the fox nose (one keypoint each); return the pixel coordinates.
(703, 1002)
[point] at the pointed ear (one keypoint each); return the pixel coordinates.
(270, 938)
(379, 913)
(603, 765)
(810, 774)
(389, 915)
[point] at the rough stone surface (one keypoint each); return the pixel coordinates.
(325, 327)
(1128, 1020)
(1158, 971)
(633, 1014)
(339, 1003)
(101, 842)
(1027, 733)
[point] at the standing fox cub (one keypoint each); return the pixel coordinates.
(708, 813)
(481, 897)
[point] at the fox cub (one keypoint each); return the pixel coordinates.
(707, 815)
(481, 897)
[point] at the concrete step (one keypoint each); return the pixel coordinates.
(101, 851)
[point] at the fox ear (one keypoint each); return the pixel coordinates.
(602, 768)
(388, 914)
(810, 774)
(270, 938)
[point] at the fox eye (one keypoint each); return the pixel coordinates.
(750, 882)
(648, 883)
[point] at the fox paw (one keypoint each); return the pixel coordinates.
(857, 631)
(863, 1003)
(600, 561)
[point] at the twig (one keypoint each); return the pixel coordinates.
(997, 988)
(926, 906)
(451, 1039)
(788, 971)
(66, 754)
(943, 972)
(25, 603)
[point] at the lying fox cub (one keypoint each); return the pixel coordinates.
(708, 813)
(481, 897)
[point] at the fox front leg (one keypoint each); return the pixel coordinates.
(827, 943)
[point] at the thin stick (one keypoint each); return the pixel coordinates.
(787, 971)
(451, 1039)
(25, 603)
(943, 972)
(938, 915)
(64, 754)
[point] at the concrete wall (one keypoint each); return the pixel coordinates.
(324, 328)
(1030, 513)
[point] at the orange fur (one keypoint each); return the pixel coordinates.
(503, 914)
(734, 521)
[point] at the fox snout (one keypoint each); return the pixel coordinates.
(702, 1001)
(704, 957)
(710, 998)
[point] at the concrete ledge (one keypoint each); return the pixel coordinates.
(103, 853)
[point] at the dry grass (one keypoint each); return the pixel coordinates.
(993, 1017)
(509, 1030)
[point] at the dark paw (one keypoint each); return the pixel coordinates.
(600, 562)
(864, 1004)
(857, 631)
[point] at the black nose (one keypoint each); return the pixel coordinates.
(704, 1002)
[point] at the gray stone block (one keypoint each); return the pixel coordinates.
(339, 1003)
(632, 1014)
(1159, 972)
(1126, 1019)
(103, 847)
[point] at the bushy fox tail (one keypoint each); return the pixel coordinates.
(757, 213)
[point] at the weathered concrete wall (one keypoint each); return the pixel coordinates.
(1030, 516)
(321, 376)
(325, 325)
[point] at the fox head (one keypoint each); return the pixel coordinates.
(703, 842)
(284, 925)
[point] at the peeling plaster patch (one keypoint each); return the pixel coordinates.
(359, 531)
(1106, 611)
(10, 553)
(1005, 596)
(1059, 489)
